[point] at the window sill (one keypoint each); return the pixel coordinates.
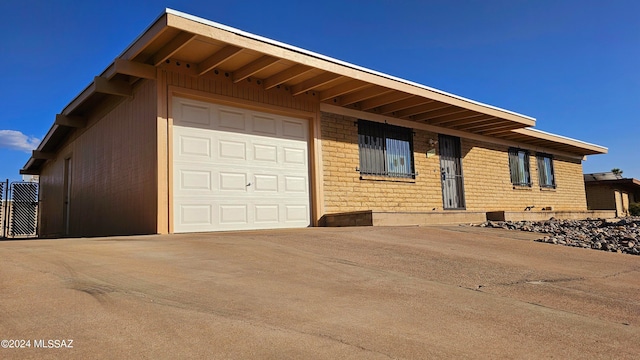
(522, 187)
(387, 178)
(552, 189)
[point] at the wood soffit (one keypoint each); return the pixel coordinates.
(202, 48)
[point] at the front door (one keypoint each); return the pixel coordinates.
(451, 172)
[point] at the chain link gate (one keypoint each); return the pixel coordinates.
(20, 210)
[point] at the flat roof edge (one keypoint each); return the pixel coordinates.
(567, 140)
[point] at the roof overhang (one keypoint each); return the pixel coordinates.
(203, 46)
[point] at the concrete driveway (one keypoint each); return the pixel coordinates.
(319, 293)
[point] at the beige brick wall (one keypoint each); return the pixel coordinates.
(485, 166)
(488, 184)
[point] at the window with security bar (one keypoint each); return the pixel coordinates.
(519, 167)
(545, 171)
(385, 150)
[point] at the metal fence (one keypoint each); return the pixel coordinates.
(19, 210)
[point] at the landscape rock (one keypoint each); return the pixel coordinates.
(618, 235)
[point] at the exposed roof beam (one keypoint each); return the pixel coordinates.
(131, 68)
(454, 118)
(253, 67)
(500, 129)
(449, 110)
(339, 90)
(172, 47)
(70, 121)
(36, 154)
(420, 109)
(404, 104)
(362, 95)
(314, 82)
(471, 119)
(488, 124)
(384, 100)
(112, 87)
(286, 75)
(358, 114)
(218, 58)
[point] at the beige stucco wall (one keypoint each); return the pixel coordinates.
(113, 188)
(486, 177)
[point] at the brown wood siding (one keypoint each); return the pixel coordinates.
(114, 179)
(248, 89)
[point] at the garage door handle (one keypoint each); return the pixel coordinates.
(249, 184)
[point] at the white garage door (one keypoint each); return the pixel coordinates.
(236, 169)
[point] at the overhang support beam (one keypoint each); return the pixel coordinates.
(177, 43)
(112, 87)
(218, 58)
(70, 121)
(40, 155)
(133, 68)
(286, 75)
(253, 67)
(314, 82)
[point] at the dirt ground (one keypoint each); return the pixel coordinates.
(319, 293)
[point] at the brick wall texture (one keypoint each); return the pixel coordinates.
(486, 173)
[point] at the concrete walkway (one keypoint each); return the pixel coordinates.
(319, 293)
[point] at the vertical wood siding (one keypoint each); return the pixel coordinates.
(249, 90)
(114, 178)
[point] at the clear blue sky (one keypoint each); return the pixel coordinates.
(573, 65)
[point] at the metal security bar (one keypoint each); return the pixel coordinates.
(385, 150)
(519, 167)
(545, 171)
(24, 209)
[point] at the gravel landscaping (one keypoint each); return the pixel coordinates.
(620, 235)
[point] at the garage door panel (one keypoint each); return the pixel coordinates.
(230, 181)
(199, 180)
(296, 213)
(235, 150)
(195, 115)
(191, 146)
(236, 214)
(294, 130)
(231, 120)
(265, 153)
(247, 170)
(264, 125)
(265, 183)
(294, 156)
(295, 184)
(193, 215)
(267, 213)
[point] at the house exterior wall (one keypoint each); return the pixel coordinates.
(486, 173)
(600, 197)
(488, 183)
(113, 176)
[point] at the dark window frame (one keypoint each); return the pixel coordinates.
(385, 150)
(519, 167)
(543, 177)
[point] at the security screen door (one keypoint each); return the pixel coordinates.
(451, 172)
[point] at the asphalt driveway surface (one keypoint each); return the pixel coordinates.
(318, 293)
